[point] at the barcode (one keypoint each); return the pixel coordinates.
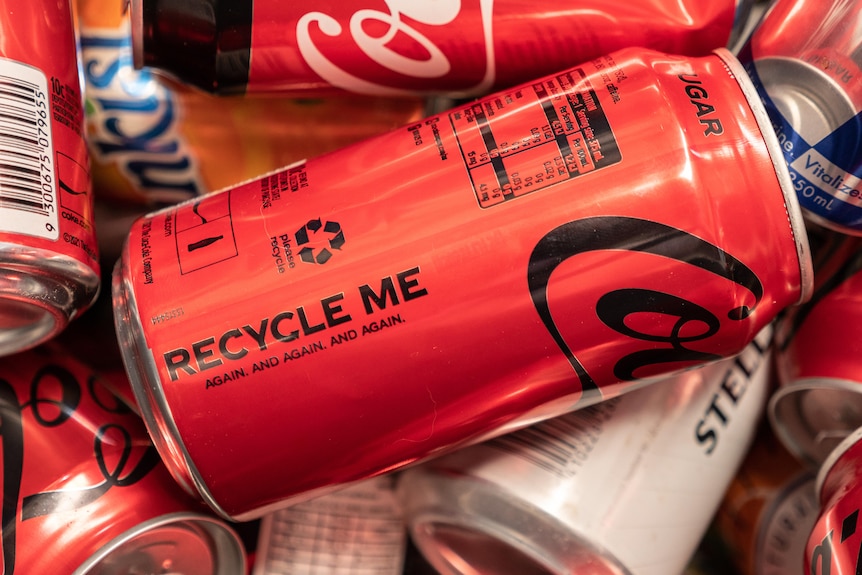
(355, 531)
(28, 196)
(561, 445)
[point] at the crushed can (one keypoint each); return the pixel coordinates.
(509, 260)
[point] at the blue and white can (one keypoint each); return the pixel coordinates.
(805, 58)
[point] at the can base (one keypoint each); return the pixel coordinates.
(39, 295)
(139, 364)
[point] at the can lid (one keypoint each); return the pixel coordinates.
(181, 543)
(791, 201)
(39, 295)
(464, 525)
(813, 416)
(206, 43)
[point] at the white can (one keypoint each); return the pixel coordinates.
(628, 486)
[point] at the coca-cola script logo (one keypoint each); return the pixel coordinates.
(615, 308)
(404, 42)
(53, 399)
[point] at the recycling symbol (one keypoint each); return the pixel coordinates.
(317, 239)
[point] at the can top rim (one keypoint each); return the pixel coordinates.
(793, 209)
(833, 457)
(227, 550)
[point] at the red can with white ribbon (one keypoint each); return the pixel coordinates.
(49, 269)
(394, 47)
(84, 491)
(541, 249)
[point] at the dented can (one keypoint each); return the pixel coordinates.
(819, 398)
(503, 262)
(154, 142)
(80, 472)
(49, 268)
(835, 544)
(396, 47)
(588, 492)
(805, 57)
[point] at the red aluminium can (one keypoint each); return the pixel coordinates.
(768, 510)
(394, 47)
(538, 250)
(49, 269)
(805, 57)
(819, 400)
(84, 491)
(835, 544)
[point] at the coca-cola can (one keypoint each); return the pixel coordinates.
(805, 57)
(504, 262)
(153, 141)
(628, 486)
(49, 268)
(768, 510)
(397, 47)
(835, 543)
(84, 490)
(819, 398)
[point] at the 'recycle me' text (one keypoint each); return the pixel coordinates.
(292, 324)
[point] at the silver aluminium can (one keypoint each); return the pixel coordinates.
(625, 487)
